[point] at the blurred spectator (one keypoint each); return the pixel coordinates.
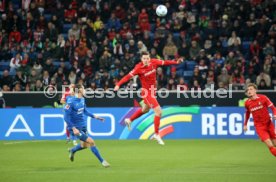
(74, 33)
(38, 86)
(161, 78)
(262, 85)
(46, 78)
(70, 14)
(195, 86)
(113, 22)
(15, 35)
(15, 63)
(269, 50)
(194, 50)
(170, 50)
(182, 86)
(255, 48)
(237, 79)
(6, 79)
(33, 78)
(224, 78)
(265, 77)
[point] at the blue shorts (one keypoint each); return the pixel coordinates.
(83, 134)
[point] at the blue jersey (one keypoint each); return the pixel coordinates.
(68, 100)
(75, 112)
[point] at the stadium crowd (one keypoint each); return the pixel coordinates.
(97, 42)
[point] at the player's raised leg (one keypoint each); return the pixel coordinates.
(136, 115)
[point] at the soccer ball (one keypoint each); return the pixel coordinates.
(161, 10)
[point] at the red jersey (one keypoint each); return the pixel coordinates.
(146, 73)
(259, 109)
(67, 92)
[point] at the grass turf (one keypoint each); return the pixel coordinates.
(134, 160)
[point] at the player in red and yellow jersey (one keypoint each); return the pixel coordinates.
(146, 70)
(258, 105)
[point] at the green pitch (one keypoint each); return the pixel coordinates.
(134, 160)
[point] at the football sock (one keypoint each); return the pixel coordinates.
(273, 150)
(136, 115)
(76, 148)
(67, 133)
(156, 124)
(96, 153)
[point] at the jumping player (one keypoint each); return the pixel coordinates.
(146, 70)
(258, 105)
(77, 126)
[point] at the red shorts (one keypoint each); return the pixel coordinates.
(266, 132)
(150, 100)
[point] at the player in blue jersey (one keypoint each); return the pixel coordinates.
(75, 112)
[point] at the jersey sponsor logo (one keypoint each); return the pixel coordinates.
(257, 108)
(80, 111)
(150, 72)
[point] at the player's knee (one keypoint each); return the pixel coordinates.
(145, 110)
(91, 142)
(83, 145)
(158, 113)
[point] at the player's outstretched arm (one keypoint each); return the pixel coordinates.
(271, 106)
(127, 77)
(169, 62)
(87, 113)
(247, 115)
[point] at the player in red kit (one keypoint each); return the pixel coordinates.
(146, 70)
(258, 105)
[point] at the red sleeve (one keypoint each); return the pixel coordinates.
(247, 114)
(270, 105)
(164, 62)
(128, 76)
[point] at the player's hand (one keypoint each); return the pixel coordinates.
(179, 60)
(274, 117)
(76, 131)
(244, 128)
(116, 88)
(99, 118)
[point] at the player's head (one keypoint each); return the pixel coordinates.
(145, 57)
(251, 90)
(72, 89)
(80, 89)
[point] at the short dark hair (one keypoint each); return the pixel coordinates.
(144, 53)
(251, 85)
(78, 86)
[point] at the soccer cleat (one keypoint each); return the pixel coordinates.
(75, 142)
(128, 123)
(158, 139)
(71, 155)
(105, 164)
